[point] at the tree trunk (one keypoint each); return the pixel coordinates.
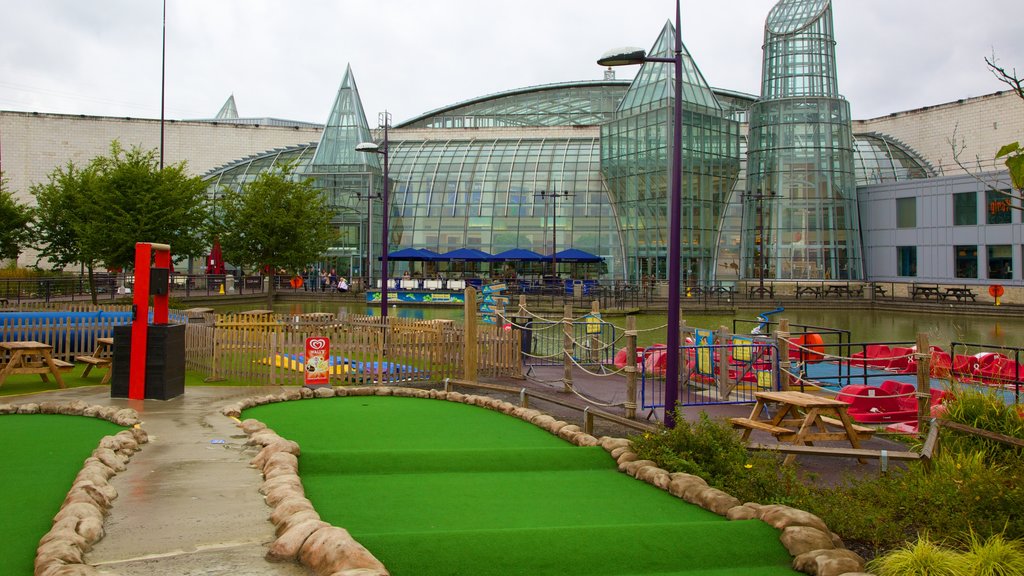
(271, 291)
(92, 285)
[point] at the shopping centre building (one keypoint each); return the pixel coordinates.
(784, 185)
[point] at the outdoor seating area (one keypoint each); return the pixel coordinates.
(929, 291)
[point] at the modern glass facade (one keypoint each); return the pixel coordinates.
(635, 152)
(542, 194)
(800, 216)
(586, 165)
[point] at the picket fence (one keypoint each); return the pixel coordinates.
(267, 348)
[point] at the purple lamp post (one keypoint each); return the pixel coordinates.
(382, 149)
(631, 56)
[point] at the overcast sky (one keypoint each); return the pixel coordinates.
(286, 58)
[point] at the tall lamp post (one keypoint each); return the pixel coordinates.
(554, 197)
(633, 56)
(382, 149)
(759, 198)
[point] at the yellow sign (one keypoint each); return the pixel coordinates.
(594, 324)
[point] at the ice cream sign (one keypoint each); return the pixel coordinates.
(318, 358)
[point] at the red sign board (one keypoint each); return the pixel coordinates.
(318, 356)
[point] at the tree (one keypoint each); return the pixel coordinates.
(15, 219)
(277, 221)
(95, 215)
(58, 209)
(133, 200)
(1012, 155)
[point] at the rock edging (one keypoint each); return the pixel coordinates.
(79, 523)
(327, 550)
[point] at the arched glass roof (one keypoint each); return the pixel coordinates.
(880, 158)
(585, 103)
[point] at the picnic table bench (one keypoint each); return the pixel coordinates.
(31, 357)
(960, 294)
(100, 358)
(808, 291)
(878, 290)
(843, 290)
(802, 419)
(925, 291)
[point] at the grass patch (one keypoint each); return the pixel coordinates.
(43, 453)
(434, 487)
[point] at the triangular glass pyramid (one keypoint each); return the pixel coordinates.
(228, 110)
(346, 127)
(654, 82)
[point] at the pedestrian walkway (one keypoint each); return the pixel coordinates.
(188, 502)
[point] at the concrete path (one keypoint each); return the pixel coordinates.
(188, 504)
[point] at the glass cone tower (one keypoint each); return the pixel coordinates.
(635, 149)
(351, 181)
(800, 208)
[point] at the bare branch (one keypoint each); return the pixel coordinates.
(1009, 78)
(957, 144)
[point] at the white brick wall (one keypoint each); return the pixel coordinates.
(32, 145)
(984, 124)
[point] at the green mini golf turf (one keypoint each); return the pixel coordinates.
(42, 455)
(441, 488)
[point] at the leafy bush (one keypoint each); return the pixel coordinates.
(960, 492)
(995, 556)
(713, 451)
(987, 410)
(921, 558)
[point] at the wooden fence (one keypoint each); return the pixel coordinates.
(267, 349)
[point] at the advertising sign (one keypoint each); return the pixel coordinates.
(318, 357)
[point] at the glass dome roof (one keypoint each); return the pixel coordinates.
(789, 16)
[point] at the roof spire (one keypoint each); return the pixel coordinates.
(228, 110)
(346, 127)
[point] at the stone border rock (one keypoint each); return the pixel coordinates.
(302, 536)
(79, 523)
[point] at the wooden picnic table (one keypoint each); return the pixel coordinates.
(802, 419)
(31, 357)
(925, 292)
(812, 290)
(960, 294)
(100, 358)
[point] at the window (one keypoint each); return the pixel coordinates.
(906, 212)
(965, 260)
(906, 260)
(1000, 262)
(997, 208)
(965, 209)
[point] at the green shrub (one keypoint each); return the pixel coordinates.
(995, 556)
(920, 558)
(960, 492)
(713, 451)
(987, 410)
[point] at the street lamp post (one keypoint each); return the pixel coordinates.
(554, 197)
(382, 149)
(759, 198)
(631, 56)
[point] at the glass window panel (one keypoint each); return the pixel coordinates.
(906, 212)
(1000, 262)
(965, 209)
(906, 261)
(998, 208)
(965, 260)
